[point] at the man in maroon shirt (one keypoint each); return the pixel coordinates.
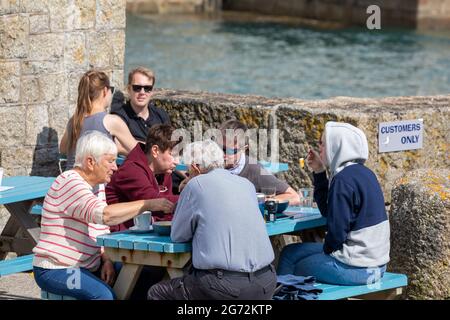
(137, 179)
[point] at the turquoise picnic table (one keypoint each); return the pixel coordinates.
(135, 250)
(18, 202)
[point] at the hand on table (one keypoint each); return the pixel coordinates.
(161, 204)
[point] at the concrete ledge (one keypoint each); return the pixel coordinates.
(430, 14)
(173, 6)
(420, 232)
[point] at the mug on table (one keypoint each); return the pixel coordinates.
(143, 220)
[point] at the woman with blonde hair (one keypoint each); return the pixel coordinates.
(94, 97)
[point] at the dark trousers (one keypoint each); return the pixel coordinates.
(217, 285)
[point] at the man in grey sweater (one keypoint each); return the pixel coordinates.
(238, 163)
(231, 251)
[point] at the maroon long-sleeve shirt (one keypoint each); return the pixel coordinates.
(134, 180)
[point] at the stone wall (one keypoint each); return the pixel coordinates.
(301, 122)
(173, 6)
(423, 14)
(45, 46)
(44, 50)
(420, 233)
(432, 14)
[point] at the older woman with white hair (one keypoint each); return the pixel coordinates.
(67, 259)
(231, 251)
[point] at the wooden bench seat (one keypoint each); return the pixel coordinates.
(389, 287)
(51, 296)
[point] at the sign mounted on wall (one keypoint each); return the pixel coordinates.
(400, 135)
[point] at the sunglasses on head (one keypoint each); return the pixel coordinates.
(138, 88)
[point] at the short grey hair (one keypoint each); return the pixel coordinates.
(94, 144)
(206, 154)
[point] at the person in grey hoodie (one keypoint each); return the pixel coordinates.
(356, 247)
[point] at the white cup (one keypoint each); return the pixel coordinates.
(1, 176)
(143, 220)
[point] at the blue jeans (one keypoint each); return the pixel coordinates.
(78, 283)
(308, 259)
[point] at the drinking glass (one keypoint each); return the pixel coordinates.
(269, 192)
(306, 197)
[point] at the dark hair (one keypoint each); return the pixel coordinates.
(160, 135)
(232, 124)
(237, 128)
(89, 88)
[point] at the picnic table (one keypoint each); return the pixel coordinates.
(135, 250)
(18, 202)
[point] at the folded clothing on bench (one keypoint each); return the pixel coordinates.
(292, 287)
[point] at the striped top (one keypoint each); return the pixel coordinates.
(72, 218)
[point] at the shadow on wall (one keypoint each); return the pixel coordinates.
(46, 154)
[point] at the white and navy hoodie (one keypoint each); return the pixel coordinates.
(353, 203)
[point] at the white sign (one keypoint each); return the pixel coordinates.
(400, 135)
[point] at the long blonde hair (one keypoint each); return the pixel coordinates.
(90, 87)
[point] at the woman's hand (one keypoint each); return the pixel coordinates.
(108, 273)
(314, 162)
(160, 204)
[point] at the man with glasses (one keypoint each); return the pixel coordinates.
(139, 113)
(237, 162)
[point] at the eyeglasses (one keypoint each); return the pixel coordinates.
(138, 88)
(112, 89)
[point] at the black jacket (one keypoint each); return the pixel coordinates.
(138, 126)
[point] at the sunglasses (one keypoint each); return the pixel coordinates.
(112, 89)
(232, 151)
(138, 88)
